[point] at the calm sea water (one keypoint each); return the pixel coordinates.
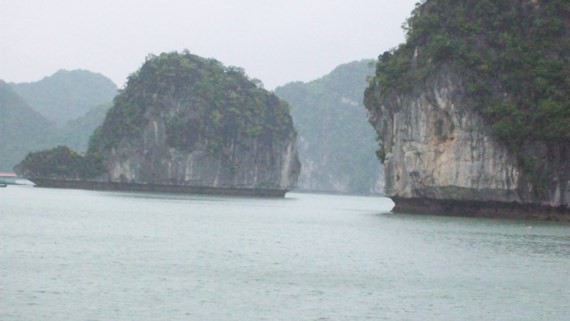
(84, 255)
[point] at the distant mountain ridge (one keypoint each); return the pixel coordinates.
(61, 109)
(22, 129)
(67, 95)
(336, 144)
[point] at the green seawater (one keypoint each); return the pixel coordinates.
(85, 255)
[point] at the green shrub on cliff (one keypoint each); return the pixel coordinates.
(61, 163)
(515, 58)
(225, 104)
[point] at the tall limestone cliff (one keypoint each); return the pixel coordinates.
(473, 111)
(183, 120)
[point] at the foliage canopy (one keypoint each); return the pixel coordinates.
(515, 55)
(60, 162)
(201, 99)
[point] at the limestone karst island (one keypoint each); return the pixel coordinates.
(473, 111)
(182, 124)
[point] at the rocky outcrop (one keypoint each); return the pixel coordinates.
(242, 162)
(201, 124)
(472, 110)
(438, 150)
(187, 124)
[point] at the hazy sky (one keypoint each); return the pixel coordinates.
(277, 41)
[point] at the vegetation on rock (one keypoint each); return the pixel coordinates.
(515, 54)
(60, 162)
(514, 58)
(175, 104)
(225, 104)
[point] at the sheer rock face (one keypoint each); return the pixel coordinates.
(245, 163)
(437, 147)
(197, 123)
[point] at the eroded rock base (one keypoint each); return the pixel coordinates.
(160, 188)
(480, 209)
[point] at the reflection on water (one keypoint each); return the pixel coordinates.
(83, 255)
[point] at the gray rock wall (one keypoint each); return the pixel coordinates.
(437, 147)
(246, 162)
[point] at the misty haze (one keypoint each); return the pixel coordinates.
(210, 160)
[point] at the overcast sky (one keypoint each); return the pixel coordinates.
(277, 41)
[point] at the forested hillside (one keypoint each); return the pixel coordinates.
(21, 129)
(67, 95)
(62, 109)
(336, 143)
